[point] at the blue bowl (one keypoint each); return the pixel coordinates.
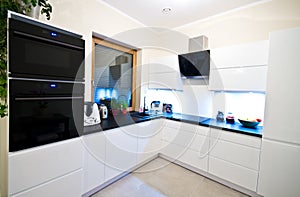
(249, 124)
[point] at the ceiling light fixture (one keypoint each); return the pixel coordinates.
(166, 10)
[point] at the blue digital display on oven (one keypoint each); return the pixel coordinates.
(53, 34)
(53, 85)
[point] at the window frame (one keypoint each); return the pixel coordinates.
(119, 47)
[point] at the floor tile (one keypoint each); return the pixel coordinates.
(161, 178)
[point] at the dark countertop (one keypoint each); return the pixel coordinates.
(130, 118)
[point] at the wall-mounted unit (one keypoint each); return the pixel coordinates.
(195, 65)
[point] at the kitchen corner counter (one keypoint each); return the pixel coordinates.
(209, 122)
(129, 119)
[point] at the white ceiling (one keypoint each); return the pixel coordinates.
(149, 12)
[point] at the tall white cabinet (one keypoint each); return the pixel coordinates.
(280, 154)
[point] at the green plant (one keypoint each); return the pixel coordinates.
(114, 104)
(46, 7)
(19, 6)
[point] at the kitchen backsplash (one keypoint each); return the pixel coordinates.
(241, 104)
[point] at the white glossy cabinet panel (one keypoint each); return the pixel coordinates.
(196, 159)
(187, 143)
(164, 73)
(236, 138)
(164, 64)
(280, 172)
(249, 54)
(69, 185)
(235, 153)
(121, 151)
(236, 174)
(149, 139)
(31, 167)
(93, 160)
(168, 80)
(239, 79)
(234, 157)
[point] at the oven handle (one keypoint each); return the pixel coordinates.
(47, 40)
(48, 98)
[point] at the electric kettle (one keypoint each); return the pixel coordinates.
(103, 111)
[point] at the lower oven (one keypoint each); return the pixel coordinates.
(42, 112)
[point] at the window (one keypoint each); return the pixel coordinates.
(113, 73)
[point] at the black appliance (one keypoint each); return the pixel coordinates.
(43, 112)
(46, 84)
(194, 65)
(44, 52)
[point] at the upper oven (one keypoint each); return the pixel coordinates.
(44, 52)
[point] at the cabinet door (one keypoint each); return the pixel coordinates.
(250, 54)
(94, 161)
(170, 80)
(164, 73)
(239, 79)
(121, 151)
(32, 167)
(234, 157)
(149, 139)
(68, 185)
(233, 173)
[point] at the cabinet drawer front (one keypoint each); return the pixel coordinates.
(235, 153)
(179, 137)
(149, 128)
(200, 144)
(237, 138)
(195, 159)
(234, 173)
(38, 165)
(187, 127)
(69, 185)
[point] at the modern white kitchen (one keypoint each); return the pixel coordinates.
(230, 125)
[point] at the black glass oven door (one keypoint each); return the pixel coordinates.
(42, 120)
(36, 57)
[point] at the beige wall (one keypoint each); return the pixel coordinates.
(85, 17)
(248, 24)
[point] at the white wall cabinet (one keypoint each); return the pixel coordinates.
(37, 169)
(239, 68)
(164, 73)
(235, 158)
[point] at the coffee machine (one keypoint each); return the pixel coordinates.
(156, 107)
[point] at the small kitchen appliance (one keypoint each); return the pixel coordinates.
(91, 114)
(103, 111)
(156, 107)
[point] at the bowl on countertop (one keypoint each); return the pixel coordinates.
(248, 123)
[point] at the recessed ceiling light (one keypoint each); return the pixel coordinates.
(166, 10)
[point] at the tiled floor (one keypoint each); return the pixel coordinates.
(162, 178)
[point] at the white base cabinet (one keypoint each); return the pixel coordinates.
(69, 185)
(39, 169)
(187, 143)
(120, 151)
(93, 161)
(234, 157)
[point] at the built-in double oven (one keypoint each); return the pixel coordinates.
(46, 84)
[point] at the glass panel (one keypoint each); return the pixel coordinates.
(113, 76)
